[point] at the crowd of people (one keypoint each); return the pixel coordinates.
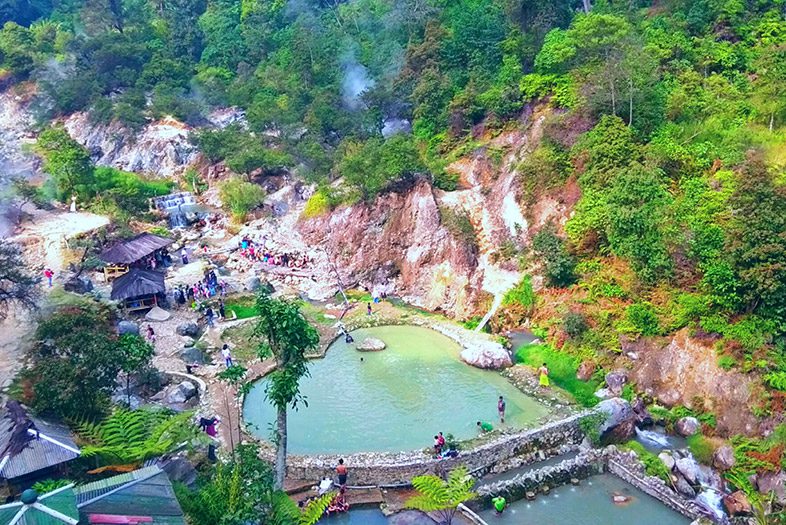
(255, 251)
(203, 290)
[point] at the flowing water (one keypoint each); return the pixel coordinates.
(525, 469)
(588, 504)
(656, 440)
(393, 400)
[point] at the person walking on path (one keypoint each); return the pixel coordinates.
(209, 315)
(48, 273)
(151, 335)
(227, 355)
(222, 310)
(501, 409)
(184, 256)
(341, 470)
(368, 309)
(543, 371)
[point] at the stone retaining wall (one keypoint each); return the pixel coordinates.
(630, 470)
(399, 468)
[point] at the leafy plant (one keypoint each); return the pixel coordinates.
(48, 485)
(133, 436)
(652, 463)
(440, 496)
(590, 426)
(239, 197)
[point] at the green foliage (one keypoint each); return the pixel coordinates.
(559, 265)
(377, 164)
(727, 362)
(239, 197)
(74, 363)
(48, 485)
(643, 319)
(574, 324)
(67, 162)
(590, 426)
(318, 204)
(562, 371)
(653, 466)
(442, 496)
(133, 436)
(701, 448)
(243, 307)
(522, 294)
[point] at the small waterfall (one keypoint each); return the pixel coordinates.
(655, 438)
(176, 206)
(494, 306)
(712, 501)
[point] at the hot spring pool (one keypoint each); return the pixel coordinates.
(589, 504)
(394, 400)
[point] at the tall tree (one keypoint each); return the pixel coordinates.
(286, 336)
(17, 286)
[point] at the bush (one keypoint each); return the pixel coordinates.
(522, 294)
(652, 463)
(642, 317)
(559, 265)
(239, 197)
(727, 362)
(318, 204)
(457, 222)
(574, 324)
(702, 448)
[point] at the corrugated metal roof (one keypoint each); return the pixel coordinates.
(61, 500)
(38, 453)
(146, 492)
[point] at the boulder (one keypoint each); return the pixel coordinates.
(179, 469)
(773, 483)
(616, 380)
(80, 285)
(157, 314)
(687, 426)
(737, 503)
(133, 402)
(127, 327)
(643, 416)
(371, 344)
(585, 371)
(683, 487)
(486, 355)
(723, 458)
(187, 341)
(188, 389)
(191, 329)
(193, 355)
(252, 284)
(620, 423)
(688, 468)
(604, 393)
(667, 460)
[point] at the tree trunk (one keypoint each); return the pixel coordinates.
(587, 6)
(281, 448)
(613, 96)
(229, 424)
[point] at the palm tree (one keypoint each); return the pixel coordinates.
(440, 496)
(286, 336)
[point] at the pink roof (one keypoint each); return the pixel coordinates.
(112, 519)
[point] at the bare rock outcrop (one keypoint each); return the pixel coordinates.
(486, 355)
(685, 370)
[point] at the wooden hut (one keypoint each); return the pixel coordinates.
(131, 253)
(139, 289)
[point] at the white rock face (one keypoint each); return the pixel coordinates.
(371, 344)
(486, 354)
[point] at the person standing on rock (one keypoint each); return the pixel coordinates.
(341, 470)
(543, 371)
(184, 256)
(501, 409)
(227, 355)
(48, 273)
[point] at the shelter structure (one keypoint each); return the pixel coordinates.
(31, 448)
(53, 508)
(143, 251)
(139, 289)
(142, 496)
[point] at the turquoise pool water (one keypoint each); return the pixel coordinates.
(588, 504)
(393, 400)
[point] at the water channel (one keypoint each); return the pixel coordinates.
(392, 400)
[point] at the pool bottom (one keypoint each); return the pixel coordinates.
(589, 503)
(362, 515)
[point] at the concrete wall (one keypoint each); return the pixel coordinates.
(400, 468)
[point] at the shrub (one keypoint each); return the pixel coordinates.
(574, 324)
(652, 463)
(522, 294)
(318, 204)
(457, 222)
(726, 362)
(702, 448)
(643, 318)
(559, 265)
(240, 196)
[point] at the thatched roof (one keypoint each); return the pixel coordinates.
(137, 283)
(132, 250)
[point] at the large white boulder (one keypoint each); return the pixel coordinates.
(486, 354)
(371, 344)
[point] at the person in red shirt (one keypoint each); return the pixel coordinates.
(48, 273)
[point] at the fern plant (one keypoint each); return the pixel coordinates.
(776, 380)
(440, 496)
(133, 436)
(284, 511)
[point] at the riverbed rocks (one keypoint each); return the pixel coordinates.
(723, 458)
(737, 504)
(615, 381)
(620, 423)
(371, 344)
(688, 468)
(193, 355)
(687, 426)
(179, 394)
(127, 328)
(683, 487)
(773, 483)
(667, 459)
(586, 371)
(486, 354)
(190, 329)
